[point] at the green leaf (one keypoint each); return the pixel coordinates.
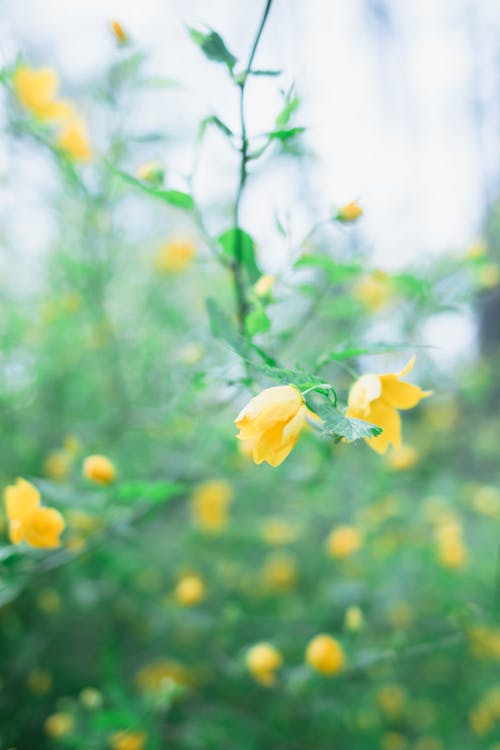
(337, 273)
(291, 104)
(156, 492)
(350, 352)
(214, 120)
(236, 241)
(407, 283)
(284, 135)
(257, 321)
(337, 425)
(212, 45)
(173, 197)
(273, 73)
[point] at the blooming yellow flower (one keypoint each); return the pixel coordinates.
(174, 256)
(273, 421)
(377, 398)
(263, 286)
(119, 32)
(28, 521)
(210, 503)
(128, 740)
(99, 469)
(36, 91)
(350, 212)
(403, 458)
(343, 541)
(325, 654)
(374, 290)
(263, 660)
(58, 725)
(74, 140)
(190, 591)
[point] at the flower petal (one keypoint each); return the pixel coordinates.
(365, 390)
(385, 416)
(21, 500)
(401, 395)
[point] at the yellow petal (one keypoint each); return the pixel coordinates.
(386, 417)
(278, 404)
(401, 395)
(21, 500)
(44, 528)
(407, 368)
(365, 390)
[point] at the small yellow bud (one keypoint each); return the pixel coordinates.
(489, 275)
(151, 171)
(263, 660)
(190, 591)
(174, 256)
(280, 572)
(354, 620)
(210, 503)
(120, 35)
(350, 212)
(325, 655)
(343, 541)
(99, 469)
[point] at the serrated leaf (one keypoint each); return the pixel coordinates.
(285, 135)
(336, 424)
(157, 492)
(213, 46)
(336, 272)
(175, 198)
(236, 241)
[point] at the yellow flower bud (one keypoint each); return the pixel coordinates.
(175, 256)
(280, 572)
(190, 591)
(374, 290)
(28, 521)
(343, 541)
(349, 212)
(391, 700)
(263, 660)
(119, 32)
(99, 469)
(325, 655)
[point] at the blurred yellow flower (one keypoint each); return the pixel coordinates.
(83, 522)
(36, 91)
(263, 286)
(374, 290)
(354, 620)
(485, 642)
(58, 725)
(488, 275)
(391, 700)
(377, 398)
(90, 698)
(28, 521)
(155, 677)
(477, 249)
(400, 615)
(57, 465)
(403, 458)
(280, 572)
(452, 552)
(39, 681)
(263, 661)
(191, 353)
(486, 500)
(175, 256)
(325, 654)
(127, 740)
(190, 591)
(99, 469)
(394, 741)
(429, 743)
(210, 503)
(273, 421)
(119, 32)
(481, 721)
(350, 212)
(343, 541)
(74, 140)
(278, 531)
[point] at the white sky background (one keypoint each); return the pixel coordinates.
(390, 112)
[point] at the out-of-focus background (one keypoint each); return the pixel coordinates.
(180, 608)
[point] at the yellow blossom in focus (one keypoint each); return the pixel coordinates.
(403, 458)
(119, 32)
(278, 531)
(155, 677)
(99, 469)
(325, 655)
(280, 572)
(263, 661)
(28, 521)
(354, 619)
(128, 740)
(263, 286)
(58, 725)
(39, 681)
(391, 700)
(48, 601)
(374, 290)
(90, 698)
(343, 541)
(190, 591)
(377, 398)
(74, 140)
(175, 256)
(273, 421)
(350, 212)
(210, 503)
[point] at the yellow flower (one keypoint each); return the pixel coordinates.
(486, 500)
(90, 698)
(175, 256)
(155, 677)
(325, 654)
(263, 660)
(485, 643)
(57, 465)
(391, 700)
(263, 286)
(99, 469)
(481, 720)
(374, 290)
(277, 531)
(403, 458)
(354, 619)
(128, 740)
(343, 541)
(377, 398)
(58, 725)
(210, 504)
(74, 140)
(280, 572)
(119, 32)
(150, 171)
(394, 741)
(190, 591)
(273, 421)
(349, 212)
(36, 89)
(28, 521)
